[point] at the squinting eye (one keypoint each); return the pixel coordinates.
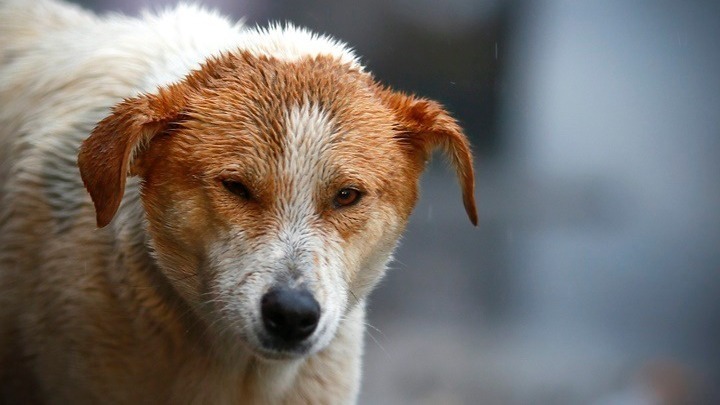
(347, 197)
(236, 188)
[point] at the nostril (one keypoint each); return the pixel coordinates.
(272, 317)
(289, 314)
(308, 321)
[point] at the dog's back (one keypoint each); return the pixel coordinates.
(56, 82)
(38, 140)
(24, 28)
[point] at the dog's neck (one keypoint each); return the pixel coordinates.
(145, 292)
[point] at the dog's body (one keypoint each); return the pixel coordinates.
(273, 160)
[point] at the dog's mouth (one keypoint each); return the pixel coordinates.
(258, 343)
(269, 349)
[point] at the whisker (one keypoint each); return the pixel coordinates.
(369, 333)
(354, 296)
(376, 329)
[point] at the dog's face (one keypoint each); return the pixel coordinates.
(275, 192)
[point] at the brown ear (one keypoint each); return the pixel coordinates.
(426, 126)
(106, 156)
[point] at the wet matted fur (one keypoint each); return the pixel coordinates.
(159, 175)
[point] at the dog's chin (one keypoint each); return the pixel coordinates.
(233, 348)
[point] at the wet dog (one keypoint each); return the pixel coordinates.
(193, 211)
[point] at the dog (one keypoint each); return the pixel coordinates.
(193, 211)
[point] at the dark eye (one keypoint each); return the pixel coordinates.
(236, 188)
(347, 197)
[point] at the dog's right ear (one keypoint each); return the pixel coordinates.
(423, 126)
(106, 157)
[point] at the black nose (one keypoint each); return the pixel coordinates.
(290, 315)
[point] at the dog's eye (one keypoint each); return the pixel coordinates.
(347, 197)
(236, 188)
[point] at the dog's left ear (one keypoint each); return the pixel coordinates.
(424, 126)
(105, 158)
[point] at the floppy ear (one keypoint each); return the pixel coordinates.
(106, 157)
(424, 126)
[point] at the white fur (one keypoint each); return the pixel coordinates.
(290, 43)
(160, 48)
(309, 132)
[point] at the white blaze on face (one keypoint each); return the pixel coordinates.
(304, 162)
(311, 255)
(301, 170)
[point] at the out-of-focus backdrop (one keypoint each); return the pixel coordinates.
(594, 276)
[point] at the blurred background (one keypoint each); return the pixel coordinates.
(594, 276)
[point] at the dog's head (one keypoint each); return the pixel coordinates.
(274, 191)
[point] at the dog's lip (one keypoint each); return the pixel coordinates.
(277, 356)
(267, 352)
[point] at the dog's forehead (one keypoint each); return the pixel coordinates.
(260, 88)
(274, 112)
